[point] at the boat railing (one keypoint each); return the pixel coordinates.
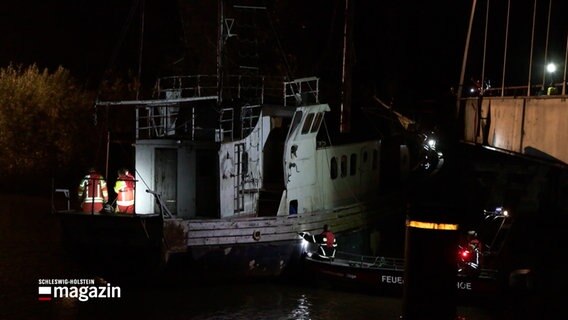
(301, 91)
(183, 106)
(226, 124)
(164, 211)
(166, 116)
(368, 261)
(254, 89)
(185, 86)
(535, 91)
(249, 118)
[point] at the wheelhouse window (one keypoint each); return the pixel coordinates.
(317, 122)
(308, 123)
(333, 168)
(296, 121)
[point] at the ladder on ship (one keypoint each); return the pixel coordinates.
(239, 196)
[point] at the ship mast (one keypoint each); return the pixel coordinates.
(220, 31)
(345, 117)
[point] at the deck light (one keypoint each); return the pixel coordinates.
(551, 68)
(431, 225)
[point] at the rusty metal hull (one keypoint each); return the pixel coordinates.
(252, 260)
(246, 260)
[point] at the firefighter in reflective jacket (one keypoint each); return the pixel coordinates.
(92, 192)
(328, 244)
(124, 189)
(325, 241)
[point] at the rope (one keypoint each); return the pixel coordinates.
(141, 178)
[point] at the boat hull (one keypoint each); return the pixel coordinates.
(259, 259)
(385, 276)
(113, 244)
(272, 259)
(124, 243)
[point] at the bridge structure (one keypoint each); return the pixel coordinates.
(515, 100)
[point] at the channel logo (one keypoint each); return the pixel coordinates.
(80, 289)
(44, 294)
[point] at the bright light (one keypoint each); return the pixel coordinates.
(502, 212)
(304, 245)
(432, 143)
(551, 67)
(431, 225)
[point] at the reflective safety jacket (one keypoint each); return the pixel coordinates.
(93, 189)
(124, 189)
(328, 245)
(329, 239)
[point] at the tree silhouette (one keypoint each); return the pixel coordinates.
(45, 121)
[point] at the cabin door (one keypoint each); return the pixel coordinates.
(165, 178)
(273, 173)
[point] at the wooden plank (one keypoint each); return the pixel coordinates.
(266, 222)
(243, 240)
(274, 233)
(274, 226)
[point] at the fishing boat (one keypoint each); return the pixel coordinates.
(238, 199)
(229, 169)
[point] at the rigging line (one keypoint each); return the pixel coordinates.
(141, 178)
(279, 44)
(546, 44)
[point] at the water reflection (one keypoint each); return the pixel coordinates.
(302, 310)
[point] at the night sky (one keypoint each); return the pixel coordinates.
(408, 50)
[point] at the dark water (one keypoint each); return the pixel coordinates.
(30, 250)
